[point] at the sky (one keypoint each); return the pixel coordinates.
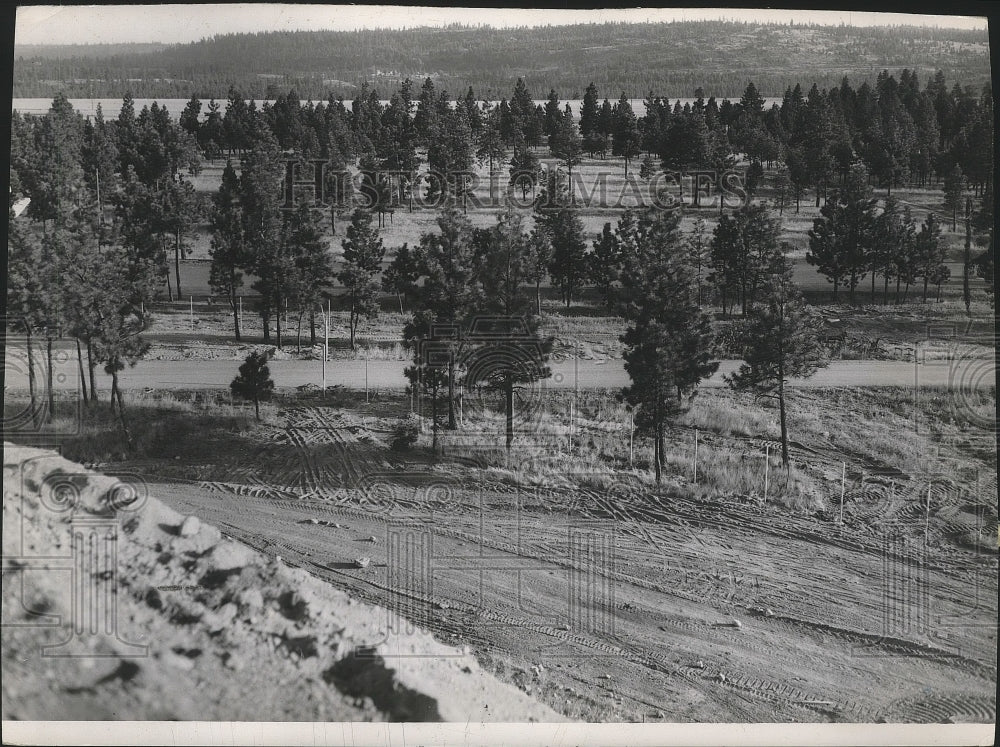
(48, 24)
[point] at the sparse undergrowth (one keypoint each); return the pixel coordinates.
(584, 444)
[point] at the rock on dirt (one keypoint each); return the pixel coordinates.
(183, 649)
(231, 555)
(190, 527)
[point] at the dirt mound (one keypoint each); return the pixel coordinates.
(117, 607)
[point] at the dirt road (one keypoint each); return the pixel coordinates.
(566, 374)
(627, 604)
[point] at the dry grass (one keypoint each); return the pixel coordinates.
(159, 423)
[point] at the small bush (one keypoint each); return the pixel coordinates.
(405, 434)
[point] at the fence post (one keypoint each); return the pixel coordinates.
(767, 468)
(631, 432)
(843, 488)
(696, 456)
(326, 343)
(191, 312)
(927, 515)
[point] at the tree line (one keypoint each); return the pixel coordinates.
(111, 204)
(675, 57)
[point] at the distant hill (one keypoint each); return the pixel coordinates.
(83, 51)
(669, 58)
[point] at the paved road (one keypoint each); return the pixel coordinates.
(588, 374)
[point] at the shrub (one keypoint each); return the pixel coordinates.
(404, 435)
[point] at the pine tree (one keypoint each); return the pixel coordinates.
(669, 345)
(697, 253)
(840, 241)
(568, 266)
(401, 276)
(605, 265)
(491, 146)
(508, 351)
(363, 253)
(930, 252)
(781, 341)
(627, 141)
(228, 251)
(553, 115)
(448, 294)
(254, 381)
(259, 191)
(311, 264)
(567, 147)
(954, 189)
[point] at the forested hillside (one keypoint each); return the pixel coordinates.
(672, 58)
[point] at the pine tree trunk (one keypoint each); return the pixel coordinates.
(538, 297)
(48, 379)
(967, 262)
(91, 365)
(312, 328)
(452, 425)
(83, 378)
(434, 421)
(509, 411)
(177, 262)
(277, 326)
(256, 404)
(116, 394)
(781, 409)
(31, 376)
(234, 303)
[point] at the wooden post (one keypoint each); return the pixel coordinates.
(572, 423)
(927, 515)
(241, 313)
(576, 380)
(631, 430)
(191, 312)
(843, 488)
(767, 467)
(696, 456)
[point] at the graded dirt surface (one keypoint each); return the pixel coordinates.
(630, 602)
(117, 607)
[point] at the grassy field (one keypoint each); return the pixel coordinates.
(866, 329)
